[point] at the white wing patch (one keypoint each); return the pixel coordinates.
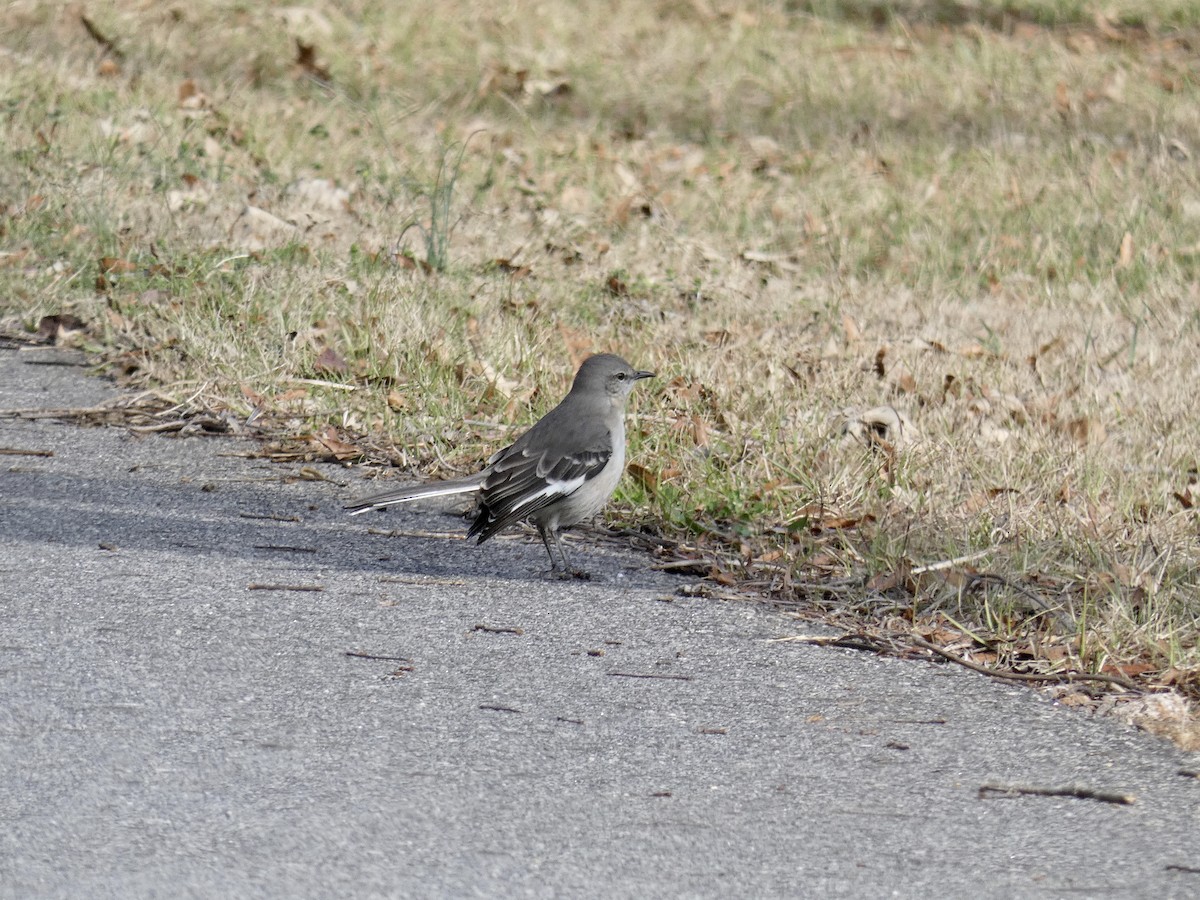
(552, 489)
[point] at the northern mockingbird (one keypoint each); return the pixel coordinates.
(558, 473)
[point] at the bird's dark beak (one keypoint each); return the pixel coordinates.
(638, 376)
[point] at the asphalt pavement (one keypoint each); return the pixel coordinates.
(214, 683)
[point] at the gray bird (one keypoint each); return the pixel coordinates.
(558, 473)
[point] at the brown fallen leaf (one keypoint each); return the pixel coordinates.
(306, 65)
(982, 499)
(112, 265)
(643, 476)
(850, 327)
(330, 362)
(886, 428)
(578, 344)
(1125, 254)
(839, 523)
(52, 327)
(1085, 430)
(508, 267)
(329, 441)
(890, 580)
(1129, 670)
(1062, 99)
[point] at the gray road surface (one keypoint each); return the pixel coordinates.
(165, 731)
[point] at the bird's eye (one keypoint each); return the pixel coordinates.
(621, 376)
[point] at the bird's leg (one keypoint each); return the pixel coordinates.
(545, 533)
(551, 539)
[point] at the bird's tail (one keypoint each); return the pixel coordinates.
(416, 492)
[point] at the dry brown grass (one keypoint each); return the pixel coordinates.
(989, 220)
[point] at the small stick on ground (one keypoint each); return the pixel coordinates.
(852, 641)
(16, 451)
(1067, 677)
(436, 535)
(649, 675)
(358, 654)
(401, 579)
(1081, 791)
(67, 413)
(496, 629)
(284, 587)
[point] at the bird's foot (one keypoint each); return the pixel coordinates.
(570, 575)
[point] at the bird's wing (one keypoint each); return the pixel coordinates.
(520, 481)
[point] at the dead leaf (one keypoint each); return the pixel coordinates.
(110, 265)
(329, 441)
(510, 268)
(616, 286)
(1169, 715)
(499, 78)
(898, 577)
(982, 499)
(902, 380)
(406, 260)
(1075, 698)
(625, 208)
(1085, 430)
(644, 477)
(547, 89)
(306, 64)
(53, 327)
(718, 338)
(785, 262)
(887, 428)
(1129, 670)
(252, 395)
(973, 350)
(329, 362)
(796, 374)
(578, 344)
(1062, 99)
(840, 523)
(853, 332)
(1125, 254)
(257, 229)
(722, 577)
(13, 257)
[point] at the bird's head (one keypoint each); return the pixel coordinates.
(608, 373)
